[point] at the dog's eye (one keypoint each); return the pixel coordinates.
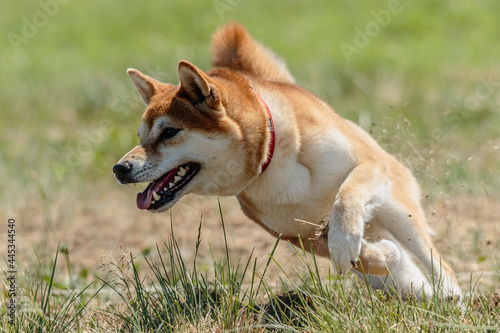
(168, 132)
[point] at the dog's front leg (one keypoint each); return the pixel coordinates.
(364, 189)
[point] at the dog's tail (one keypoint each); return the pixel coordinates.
(234, 48)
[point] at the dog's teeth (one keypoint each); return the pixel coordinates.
(156, 196)
(182, 171)
(153, 202)
(165, 189)
(177, 178)
(170, 185)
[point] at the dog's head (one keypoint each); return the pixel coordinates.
(206, 135)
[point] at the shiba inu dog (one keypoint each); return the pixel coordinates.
(246, 129)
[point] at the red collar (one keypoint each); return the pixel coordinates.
(270, 124)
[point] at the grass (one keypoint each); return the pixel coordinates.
(40, 309)
(425, 86)
(173, 296)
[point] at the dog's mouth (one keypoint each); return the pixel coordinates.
(164, 189)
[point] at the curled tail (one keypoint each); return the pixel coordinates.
(234, 48)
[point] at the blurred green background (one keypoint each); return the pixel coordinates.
(424, 80)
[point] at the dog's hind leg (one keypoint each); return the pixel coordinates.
(407, 224)
(380, 248)
(406, 278)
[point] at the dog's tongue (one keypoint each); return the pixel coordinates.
(144, 198)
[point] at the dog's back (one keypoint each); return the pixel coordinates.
(234, 48)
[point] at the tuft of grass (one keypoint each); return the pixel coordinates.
(39, 309)
(175, 295)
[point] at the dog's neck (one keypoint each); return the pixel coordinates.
(270, 124)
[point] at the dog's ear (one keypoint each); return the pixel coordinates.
(145, 85)
(198, 87)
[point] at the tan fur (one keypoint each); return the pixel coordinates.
(322, 164)
(233, 47)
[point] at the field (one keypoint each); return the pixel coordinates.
(422, 77)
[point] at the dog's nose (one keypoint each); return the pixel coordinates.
(121, 170)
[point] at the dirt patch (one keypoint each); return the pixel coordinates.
(95, 224)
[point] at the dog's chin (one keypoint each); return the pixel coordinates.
(162, 193)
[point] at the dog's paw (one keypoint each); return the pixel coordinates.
(450, 289)
(379, 258)
(344, 250)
